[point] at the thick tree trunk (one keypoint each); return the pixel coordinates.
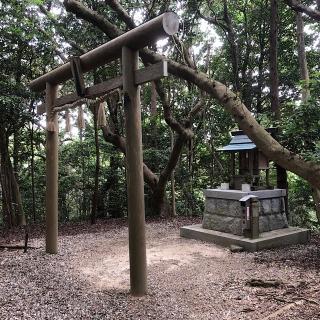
(161, 205)
(12, 203)
(7, 204)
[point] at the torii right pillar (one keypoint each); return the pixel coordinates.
(135, 182)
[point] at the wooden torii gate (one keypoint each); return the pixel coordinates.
(125, 46)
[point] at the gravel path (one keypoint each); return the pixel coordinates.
(187, 279)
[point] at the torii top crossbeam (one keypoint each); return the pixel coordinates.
(161, 26)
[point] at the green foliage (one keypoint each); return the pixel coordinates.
(32, 43)
(301, 124)
(301, 206)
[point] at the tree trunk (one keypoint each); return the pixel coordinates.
(262, 48)
(274, 78)
(316, 199)
(82, 203)
(32, 169)
(12, 203)
(282, 182)
(303, 65)
(7, 204)
(15, 182)
(153, 103)
(95, 196)
(234, 50)
(173, 192)
(305, 93)
(161, 205)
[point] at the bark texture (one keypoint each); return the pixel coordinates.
(273, 56)
(225, 23)
(11, 197)
(303, 65)
(298, 7)
(316, 199)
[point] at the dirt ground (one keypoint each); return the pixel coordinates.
(187, 279)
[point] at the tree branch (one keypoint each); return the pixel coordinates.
(122, 14)
(214, 20)
(170, 120)
(297, 6)
(197, 108)
(61, 30)
(93, 17)
(172, 162)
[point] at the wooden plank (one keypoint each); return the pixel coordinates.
(135, 183)
(137, 38)
(78, 76)
(51, 173)
(150, 73)
(104, 87)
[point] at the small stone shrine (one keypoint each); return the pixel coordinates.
(246, 211)
(223, 210)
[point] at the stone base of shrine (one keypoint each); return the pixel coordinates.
(266, 240)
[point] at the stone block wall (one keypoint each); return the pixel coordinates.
(226, 215)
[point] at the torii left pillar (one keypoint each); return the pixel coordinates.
(51, 170)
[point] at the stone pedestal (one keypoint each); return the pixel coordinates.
(223, 211)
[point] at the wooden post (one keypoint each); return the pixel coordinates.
(254, 219)
(135, 182)
(51, 172)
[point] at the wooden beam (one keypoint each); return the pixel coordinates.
(153, 72)
(137, 38)
(51, 172)
(135, 182)
(77, 74)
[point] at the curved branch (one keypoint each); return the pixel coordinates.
(122, 14)
(61, 29)
(172, 162)
(297, 6)
(119, 142)
(196, 109)
(93, 17)
(170, 120)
